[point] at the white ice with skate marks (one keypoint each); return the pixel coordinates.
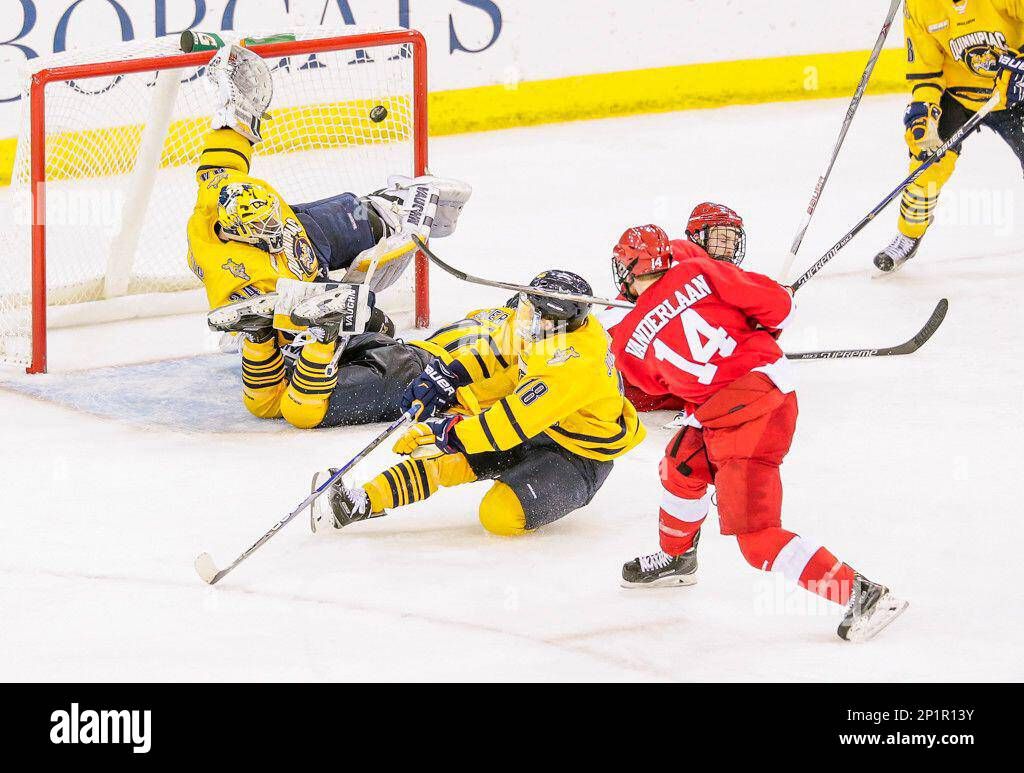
(905, 467)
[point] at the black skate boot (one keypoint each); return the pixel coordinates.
(900, 250)
(339, 506)
(659, 570)
(253, 317)
(870, 609)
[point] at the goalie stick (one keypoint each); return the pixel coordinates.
(204, 564)
(847, 121)
(908, 347)
(970, 125)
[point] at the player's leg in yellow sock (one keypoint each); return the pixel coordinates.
(416, 479)
(263, 380)
(917, 207)
(502, 513)
(305, 401)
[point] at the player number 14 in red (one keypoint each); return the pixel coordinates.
(704, 342)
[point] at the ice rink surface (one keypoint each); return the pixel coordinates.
(904, 467)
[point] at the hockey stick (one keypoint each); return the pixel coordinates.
(204, 561)
(957, 136)
(462, 275)
(850, 111)
(909, 347)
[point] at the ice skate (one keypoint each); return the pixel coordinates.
(659, 570)
(870, 609)
(900, 250)
(339, 506)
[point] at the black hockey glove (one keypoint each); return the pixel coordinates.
(435, 388)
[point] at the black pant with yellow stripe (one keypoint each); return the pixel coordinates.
(536, 483)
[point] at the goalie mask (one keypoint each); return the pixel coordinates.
(719, 230)
(538, 317)
(251, 214)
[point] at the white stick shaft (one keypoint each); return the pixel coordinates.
(847, 121)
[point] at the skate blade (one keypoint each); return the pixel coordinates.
(664, 582)
(888, 609)
(882, 274)
(317, 525)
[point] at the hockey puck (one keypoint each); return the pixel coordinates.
(378, 114)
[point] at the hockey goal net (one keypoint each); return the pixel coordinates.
(104, 175)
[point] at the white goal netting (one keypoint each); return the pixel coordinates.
(121, 152)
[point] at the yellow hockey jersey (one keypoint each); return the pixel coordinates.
(954, 46)
(231, 270)
(565, 386)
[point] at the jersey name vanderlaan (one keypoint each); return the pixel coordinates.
(656, 319)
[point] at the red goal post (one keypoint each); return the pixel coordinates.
(364, 44)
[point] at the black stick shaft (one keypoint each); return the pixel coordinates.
(957, 136)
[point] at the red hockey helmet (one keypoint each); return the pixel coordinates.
(641, 251)
(719, 230)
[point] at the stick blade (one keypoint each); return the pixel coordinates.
(932, 324)
(206, 569)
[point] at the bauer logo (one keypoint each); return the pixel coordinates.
(103, 726)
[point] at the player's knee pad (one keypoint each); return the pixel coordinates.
(761, 547)
(501, 512)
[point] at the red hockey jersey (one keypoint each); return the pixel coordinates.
(612, 316)
(699, 328)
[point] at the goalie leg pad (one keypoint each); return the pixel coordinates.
(345, 307)
(384, 263)
(452, 196)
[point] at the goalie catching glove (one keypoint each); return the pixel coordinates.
(430, 439)
(244, 89)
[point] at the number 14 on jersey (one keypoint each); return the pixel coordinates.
(704, 342)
